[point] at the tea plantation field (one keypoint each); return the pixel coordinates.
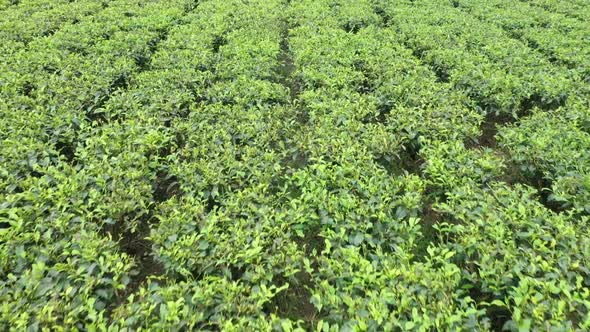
(294, 165)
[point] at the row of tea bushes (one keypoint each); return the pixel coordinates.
(559, 38)
(500, 74)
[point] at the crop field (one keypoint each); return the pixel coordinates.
(294, 165)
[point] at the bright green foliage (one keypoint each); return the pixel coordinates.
(500, 73)
(292, 165)
(510, 249)
(574, 8)
(58, 270)
(449, 165)
(550, 33)
(556, 146)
